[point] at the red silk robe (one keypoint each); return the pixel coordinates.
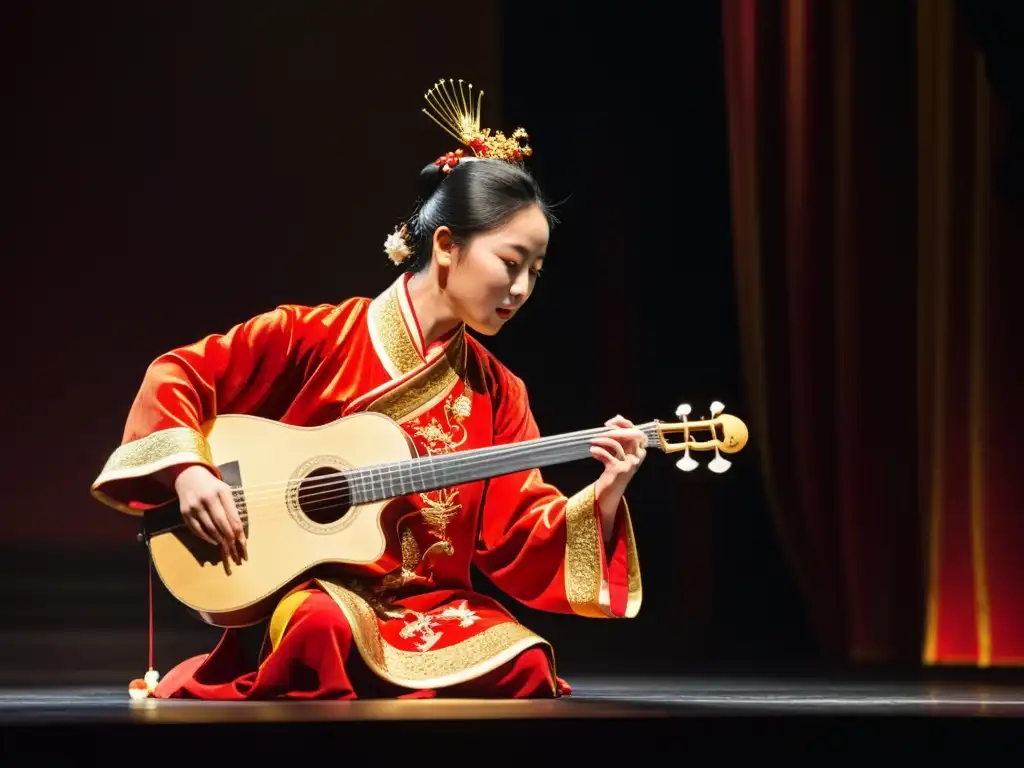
(411, 623)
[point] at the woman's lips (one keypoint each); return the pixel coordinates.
(504, 313)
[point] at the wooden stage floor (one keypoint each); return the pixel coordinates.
(788, 717)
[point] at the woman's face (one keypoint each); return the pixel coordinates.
(489, 278)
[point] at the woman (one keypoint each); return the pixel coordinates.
(411, 625)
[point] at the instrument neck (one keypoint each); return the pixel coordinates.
(419, 475)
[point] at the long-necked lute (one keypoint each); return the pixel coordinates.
(314, 496)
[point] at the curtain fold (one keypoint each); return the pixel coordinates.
(873, 263)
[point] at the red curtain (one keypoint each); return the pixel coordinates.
(875, 267)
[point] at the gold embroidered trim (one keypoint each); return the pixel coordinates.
(582, 555)
(130, 458)
(427, 384)
(410, 560)
(411, 324)
(427, 387)
(586, 589)
(389, 334)
(440, 668)
(160, 450)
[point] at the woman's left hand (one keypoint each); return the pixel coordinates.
(622, 451)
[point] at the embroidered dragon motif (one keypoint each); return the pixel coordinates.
(439, 507)
(422, 625)
(426, 625)
(442, 506)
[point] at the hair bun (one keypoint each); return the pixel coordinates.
(430, 179)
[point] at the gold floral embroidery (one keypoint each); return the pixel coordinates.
(441, 667)
(437, 440)
(440, 510)
(442, 506)
(462, 407)
(443, 547)
(426, 624)
(410, 559)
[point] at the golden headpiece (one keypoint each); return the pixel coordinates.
(453, 110)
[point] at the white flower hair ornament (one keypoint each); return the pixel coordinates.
(396, 247)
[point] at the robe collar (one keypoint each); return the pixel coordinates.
(396, 332)
(417, 376)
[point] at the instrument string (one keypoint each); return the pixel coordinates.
(325, 501)
(342, 487)
(377, 475)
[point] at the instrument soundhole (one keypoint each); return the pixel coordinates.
(324, 495)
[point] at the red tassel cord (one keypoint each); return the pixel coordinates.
(143, 688)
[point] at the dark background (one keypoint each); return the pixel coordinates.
(178, 168)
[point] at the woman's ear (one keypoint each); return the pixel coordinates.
(443, 245)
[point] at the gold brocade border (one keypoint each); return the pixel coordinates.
(439, 668)
(412, 325)
(150, 454)
(428, 386)
(389, 334)
(583, 583)
(421, 384)
(585, 587)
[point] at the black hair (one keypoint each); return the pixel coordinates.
(474, 197)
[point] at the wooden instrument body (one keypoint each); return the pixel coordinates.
(270, 466)
(267, 458)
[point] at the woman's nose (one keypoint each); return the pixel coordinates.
(521, 284)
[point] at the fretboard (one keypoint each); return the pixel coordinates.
(428, 473)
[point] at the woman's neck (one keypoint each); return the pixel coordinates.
(433, 312)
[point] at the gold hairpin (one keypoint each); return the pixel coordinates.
(453, 109)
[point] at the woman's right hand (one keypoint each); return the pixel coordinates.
(209, 510)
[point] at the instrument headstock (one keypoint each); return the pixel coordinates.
(728, 435)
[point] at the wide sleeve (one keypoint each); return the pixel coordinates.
(250, 369)
(545, 549)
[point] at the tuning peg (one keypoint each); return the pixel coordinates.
(687, 463)
(719, 464)
(733, 439)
